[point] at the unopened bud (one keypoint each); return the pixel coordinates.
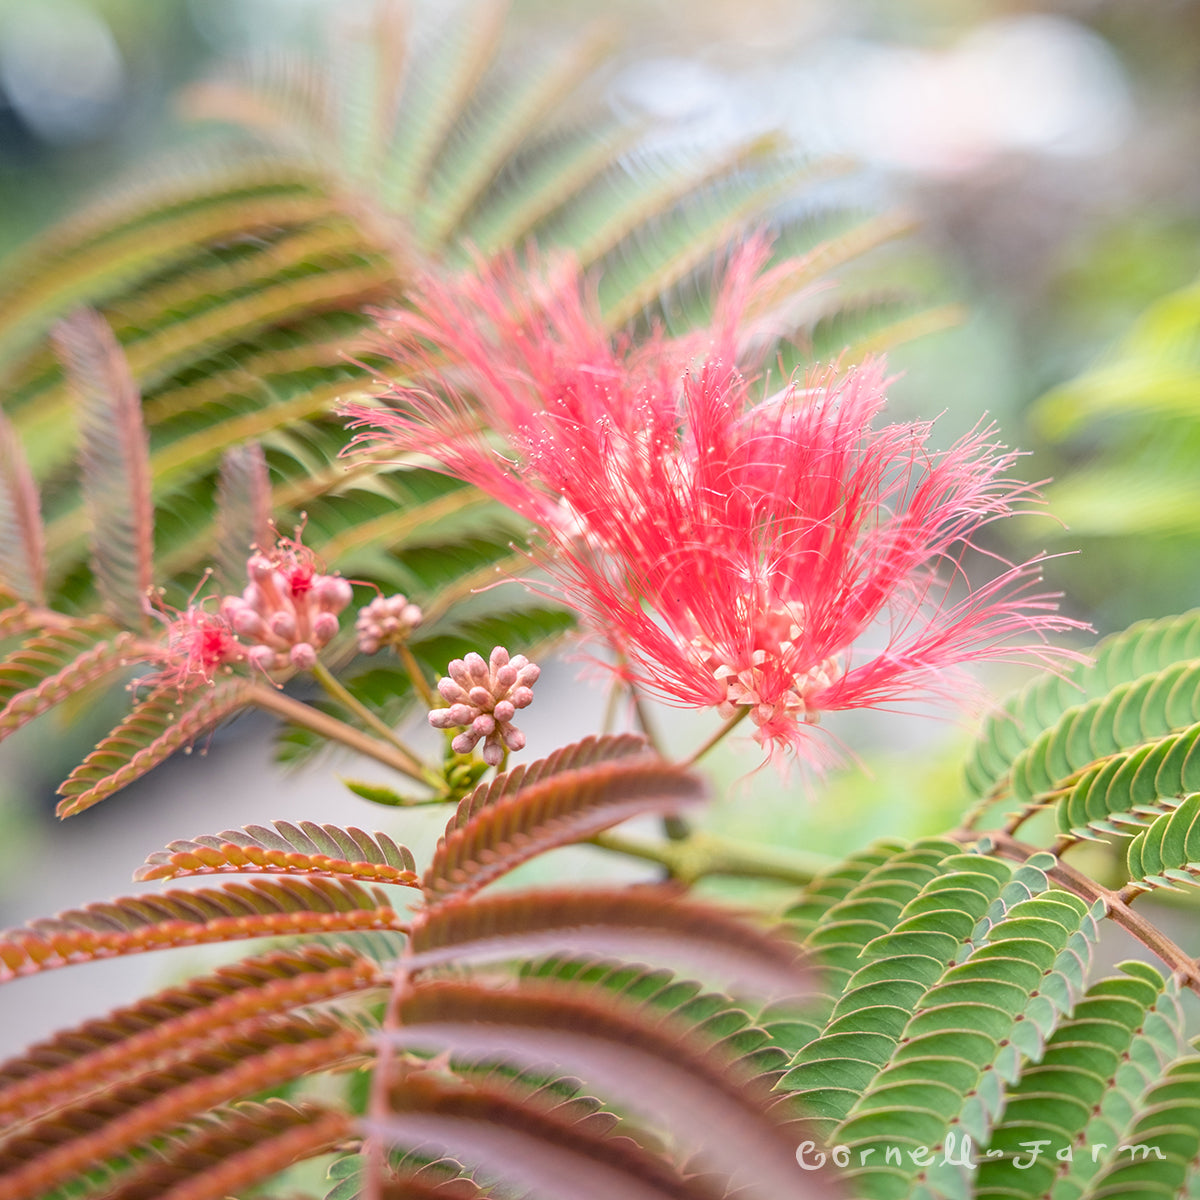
(303, 657)
(324, 627)
(283, 624)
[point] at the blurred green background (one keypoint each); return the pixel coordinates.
(1047, 156)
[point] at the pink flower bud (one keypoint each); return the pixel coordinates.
(464, 743)
(332, 592)
(324, 627)
(259, 568)
(262, 657)
(283, 624)
(248, 623)
(484, 701)
(303, 656)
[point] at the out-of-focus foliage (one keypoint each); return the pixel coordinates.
(238, 286)
(1129, 433)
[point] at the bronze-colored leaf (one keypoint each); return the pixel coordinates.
(150, 734)
(240, 1146)
(650, 924)
(41, 1156)
(637, 1058)
(306, 849)
(114, 456)
(176, 1023)
(528, 1145)
(566, 807)
(264, 908)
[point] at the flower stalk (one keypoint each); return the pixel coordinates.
(272, 700)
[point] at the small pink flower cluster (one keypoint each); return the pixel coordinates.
(286, 614)
(288, 610)
(199, 643)
(386, 621)
(484, 698)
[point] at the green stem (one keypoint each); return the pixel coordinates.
(348, 699)
(700, 855)
(729, 725)
(645, 724)
(676, 828)
(298, 713)
(419, 682)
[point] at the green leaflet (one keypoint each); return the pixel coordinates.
(902, 964)
(1130, 714)
(1141, 650)
(1056, 1096)
(1158, 1151)
(1168, 852)
(833, 885)
(1127, 791)
(965, 1041)
(871, 908)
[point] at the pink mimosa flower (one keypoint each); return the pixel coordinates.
(778, 553)
(197, 647)
(286, 614)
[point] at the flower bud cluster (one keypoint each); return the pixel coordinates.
(288, 610)
(386, 621)
(484, 698)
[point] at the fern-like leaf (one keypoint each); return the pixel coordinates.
(175, 1023)
(1168, 851)
(1140, 650)
(901, 966)
(585, 753)
(243, 514)
(235, 911)
(151, 733)
(652, 922)
(22, 535)
(238, 1147)
(504, 1134)
(655, 1068)
(50, 1152)
(1167, 1131)
(568, 806)
(304, 849)
(1057, 1095)
(115, 459)
(68, 655)
(980, 1018)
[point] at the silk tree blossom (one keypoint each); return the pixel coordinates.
(782, 554)
(285, 615)
(386, 621)
(289, 609)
